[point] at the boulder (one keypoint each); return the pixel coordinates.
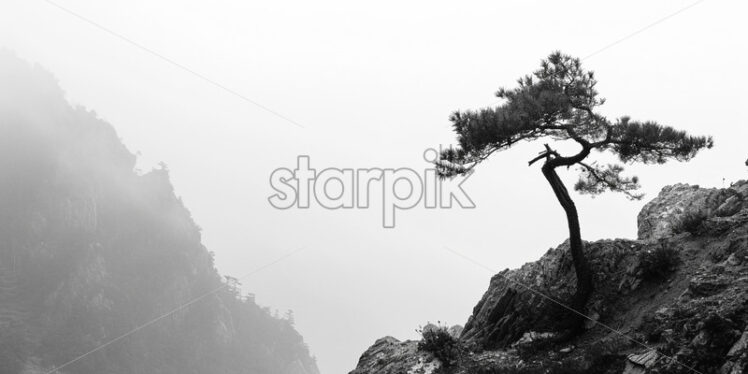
(662, 217)
(455, 331)
(639, 363)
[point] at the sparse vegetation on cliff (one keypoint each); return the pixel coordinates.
(659, 262)
(666, 303)
(437, 340)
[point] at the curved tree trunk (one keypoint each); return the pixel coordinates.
(584, 274)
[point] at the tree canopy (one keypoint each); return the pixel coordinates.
(559, 102)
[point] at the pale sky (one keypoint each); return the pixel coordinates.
(373, 85)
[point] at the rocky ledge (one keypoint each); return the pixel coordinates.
(673, 301)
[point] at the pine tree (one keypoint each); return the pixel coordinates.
(558, 102)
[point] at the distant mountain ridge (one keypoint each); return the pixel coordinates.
(89, 250)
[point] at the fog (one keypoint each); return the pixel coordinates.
(354, 85)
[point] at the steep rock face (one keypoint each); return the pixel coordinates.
(642, 318)
(90, 249)
(509, 308)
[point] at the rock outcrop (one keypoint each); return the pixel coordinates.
(663, 215)
(391, 356)
(673, 301)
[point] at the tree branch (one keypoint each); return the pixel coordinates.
(595, 173)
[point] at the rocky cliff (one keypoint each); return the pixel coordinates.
(673, 301)
(90, 250)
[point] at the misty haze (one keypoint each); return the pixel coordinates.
(387, 188)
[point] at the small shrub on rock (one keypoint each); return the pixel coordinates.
(692, 222)
(437, 340)
(658, 263)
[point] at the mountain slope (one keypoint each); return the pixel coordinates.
(673, 301)
(89, 250)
